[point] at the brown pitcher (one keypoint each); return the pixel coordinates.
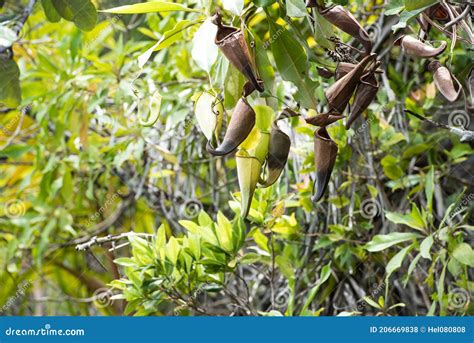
(233, 45)
(444, 81)
(343, 68)
(240, 125)
(325, 153)
(339, 94)
(323, 119)
(344, 20)
(365, 94)
(279, 149)
(414, 47)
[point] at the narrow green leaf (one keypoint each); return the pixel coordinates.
(413, 220)
(411, 5)
(296, 8)
(323, 277)
(169, 37)
(429, 188)
(149, 7)
(425, 247)
(382, 242)
(396, 261)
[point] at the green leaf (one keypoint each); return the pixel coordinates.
(267, 73)
(172, 250)
(169, 37)
(160, 238)
(224, 232)
(209, 113)
(190, 226)
(285, 266)
(292, 63)
(51, 14)
(414, 219)
(264, 3)
(296, 8)
(125, 261)
(425, 247)
(204, 50)
(406, 16)
(463, 253)
(411, 5)
(382, 242)
(81, 12)
(323, 29)
(394, 7)
(396, 261)
(391, 167)
(234, 82)
(149, 7)
(323, 277)
(411, 268)
(371, 302)
(15, 151)
(194, 242)
(429, 188)
(261, 240)
(264, 117)
(10, 91)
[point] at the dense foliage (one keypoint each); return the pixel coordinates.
(112, 201)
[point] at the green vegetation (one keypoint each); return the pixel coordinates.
(236, 157)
